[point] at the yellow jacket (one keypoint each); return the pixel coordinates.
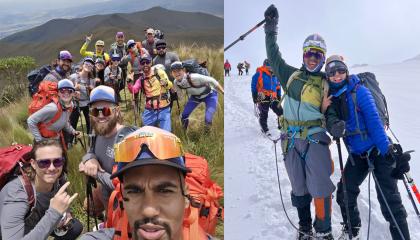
(95, 54)
(157, 91)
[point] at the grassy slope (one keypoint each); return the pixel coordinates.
(13, 129)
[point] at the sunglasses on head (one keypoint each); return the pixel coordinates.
(106, 111)
(333, 71)
(145, 62)
(46, 163)
(317, 55)
(88, 64)
(66, 90)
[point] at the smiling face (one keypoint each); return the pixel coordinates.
(65, 64)
(154, 202)
(87, 66)
(120, 40)
(102, 124)
(66, 95)
(312, 58)
(50, 174)
(178, 74)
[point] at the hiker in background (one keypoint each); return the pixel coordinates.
(99, 72)
(50, 214)
(154, 189)
(150, 42)
(166, 59)
(62, 68)
(240, 66)
(99, 50)
(132, 59)
(155, 84)
(50, 120)
(113, 75)
(83, 83)
(354, 117)
(303, 130)
(106, 119)
(247, 66)
(119, 47)
(227, 68)
(266, 93)
(200, 88)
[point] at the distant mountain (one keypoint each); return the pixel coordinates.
(12, 21)
(359, 65)
(43, 42)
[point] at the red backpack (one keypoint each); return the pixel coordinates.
(13, 160)
(200, 217)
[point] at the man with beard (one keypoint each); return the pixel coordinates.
(62, 68)
(105, 117)
(155, 85)
(153, 185)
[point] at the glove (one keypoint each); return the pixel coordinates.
(271, 16)
(338, 129)
(401, 158)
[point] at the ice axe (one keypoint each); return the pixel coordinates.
(242, 37)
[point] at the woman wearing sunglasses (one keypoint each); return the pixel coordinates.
(50, 120)
(84, 82)
(50, 214)
(353, 116)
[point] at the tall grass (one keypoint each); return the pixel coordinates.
(13, 128)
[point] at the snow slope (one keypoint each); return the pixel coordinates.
(252, 201)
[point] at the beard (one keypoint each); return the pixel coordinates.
(154, 221)
(103, 129)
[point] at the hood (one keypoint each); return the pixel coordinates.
(353, 80)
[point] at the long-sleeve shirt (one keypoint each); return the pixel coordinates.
(14, 207)
(85, 53)
(166, 61)
(44, 115)
(153, 87)
(114, 72)
(201, 85)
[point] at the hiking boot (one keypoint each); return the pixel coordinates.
(345, 233)
(304, 234)
(324, 236)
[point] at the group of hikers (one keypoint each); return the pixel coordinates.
(342, 104)
(241, 66)
(144, 187)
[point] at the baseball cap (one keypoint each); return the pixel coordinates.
(102, 93)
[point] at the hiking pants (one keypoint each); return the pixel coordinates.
(211, 105)
(309, 166)
(355, 175)
(263, 107)
(159, 118)
(227, 72)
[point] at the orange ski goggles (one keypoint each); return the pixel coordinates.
(162, 144)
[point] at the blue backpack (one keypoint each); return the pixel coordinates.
(36, 76)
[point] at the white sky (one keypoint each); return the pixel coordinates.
(373, 32)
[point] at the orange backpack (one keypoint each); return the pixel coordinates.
(200, 217)
(47, 93)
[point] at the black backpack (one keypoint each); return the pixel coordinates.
(36, 76)
(192, 66)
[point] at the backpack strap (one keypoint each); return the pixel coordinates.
(27, 185)
(356, 116)
(194, 85)
(57, 114)
(289, 81)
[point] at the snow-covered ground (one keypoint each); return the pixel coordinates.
(252, 201)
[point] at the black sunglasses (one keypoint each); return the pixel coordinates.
(333, 71)
(46, 163)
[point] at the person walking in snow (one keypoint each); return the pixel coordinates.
(305, 143)
(247, 66)
(227, 68)
(364, 134)
(240, 67)
(266, 94)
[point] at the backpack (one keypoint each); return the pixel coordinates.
(14, 160)
(159, 34)
(368, 80)
(36, 76)
(200, 217)
(192, 66)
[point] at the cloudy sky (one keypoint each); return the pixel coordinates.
(19, 5)
(373, 32)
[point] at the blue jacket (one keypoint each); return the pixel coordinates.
(373, 132)
(263, 81)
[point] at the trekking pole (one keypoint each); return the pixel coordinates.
(343, 181)
(242, 37)
(411, 198)
(83, 128)
(125, 96)
(410, 180)
(90, 181)
(133, 101)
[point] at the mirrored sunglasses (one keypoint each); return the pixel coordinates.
(106, 111)
(331, 72)
(317, 55)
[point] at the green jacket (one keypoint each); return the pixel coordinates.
(303, 98)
